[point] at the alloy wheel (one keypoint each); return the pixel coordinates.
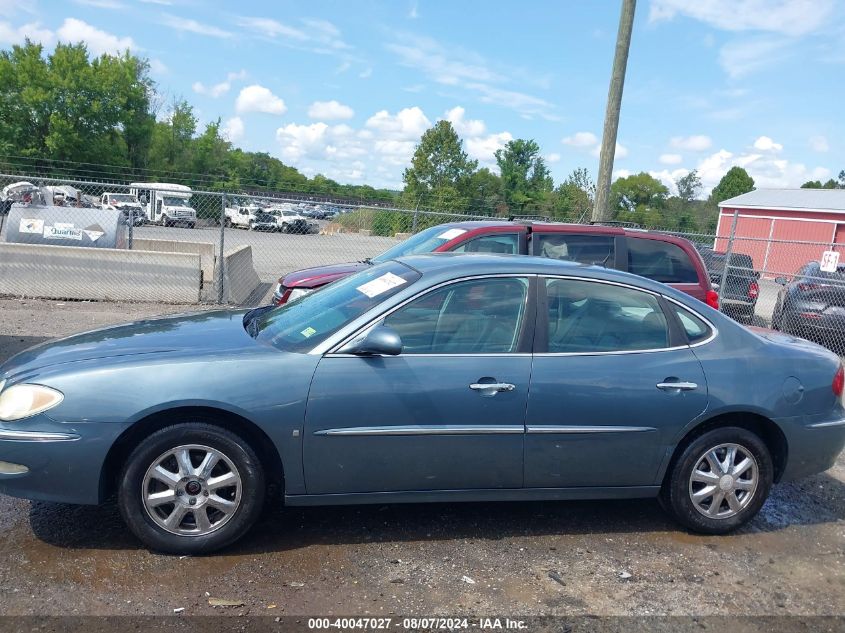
(723, 481)
(191, 490)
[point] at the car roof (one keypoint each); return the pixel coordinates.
(563, 227)
(445, 266)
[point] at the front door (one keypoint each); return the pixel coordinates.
(448, 413)
(611, 386)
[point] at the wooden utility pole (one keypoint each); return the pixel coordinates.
(601, 210)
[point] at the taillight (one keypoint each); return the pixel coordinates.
(712, 299)
(838, 382)
(753, 290)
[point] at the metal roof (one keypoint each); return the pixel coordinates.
(789, 199)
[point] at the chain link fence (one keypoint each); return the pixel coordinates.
(68, 239)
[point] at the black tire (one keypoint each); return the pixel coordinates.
(233, 448)
(676, 494)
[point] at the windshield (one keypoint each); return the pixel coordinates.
(423, 242)
(303, 323)
(123, 197)
(171, 201)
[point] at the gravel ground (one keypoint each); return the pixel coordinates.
(603, 558)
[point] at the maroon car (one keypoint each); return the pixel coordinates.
(665, 258)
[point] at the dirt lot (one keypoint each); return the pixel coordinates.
(611, 558)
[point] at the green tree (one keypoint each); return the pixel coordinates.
(689, 186)
(734, 183)
(440, 169)
(639, 198)
(573, 199)
(525, 177)
(484, 190)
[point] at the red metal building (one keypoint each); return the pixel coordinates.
(783, 229)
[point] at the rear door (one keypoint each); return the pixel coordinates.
(667, 263)
(612, 383)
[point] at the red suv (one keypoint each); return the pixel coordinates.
(665, 258)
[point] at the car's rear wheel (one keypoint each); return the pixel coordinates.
(191, 488)
(719, 481)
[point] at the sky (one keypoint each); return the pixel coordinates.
(346, 88)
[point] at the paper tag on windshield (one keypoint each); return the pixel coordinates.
(381, 284)
(451, 234)
(308, 332)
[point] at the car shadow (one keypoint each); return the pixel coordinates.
(816, 500)
(11, 344)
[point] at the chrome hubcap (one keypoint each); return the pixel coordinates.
(191, 490)
(723, 481)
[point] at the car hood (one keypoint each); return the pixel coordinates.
(204, 332)
(320, 275)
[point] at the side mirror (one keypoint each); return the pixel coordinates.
(380, 341)
(780, 280)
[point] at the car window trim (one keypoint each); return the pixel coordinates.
(714, 332)
(330, 347)
(677, 341)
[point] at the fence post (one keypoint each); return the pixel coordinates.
(131, 225)
(221, 261)
(728, 252)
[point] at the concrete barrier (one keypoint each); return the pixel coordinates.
(239, 277)
(402, 236)
(73, 272)
(205, 250)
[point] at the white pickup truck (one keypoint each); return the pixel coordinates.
(249, 217)
(127, 204)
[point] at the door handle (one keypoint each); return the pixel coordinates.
(677, 386)
(493, 387)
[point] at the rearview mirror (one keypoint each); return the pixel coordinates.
(780, 280)
(380, 341)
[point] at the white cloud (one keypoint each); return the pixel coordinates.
(766, 144)
(366, 73)
(158, 67)
(270, 28)
(694, 143)
(766, 168)
(669, 178)
(98, 42)
(462, 125)
(784, 17)
(256, 98)
(819, 143)
(414, 13)
(187, 25)
(102, 4)
(233, 129)
(671, 159)
(219, 89)
(743, 57)
(406, 125)
(581, 139)
(34, 31)
(483, 148)
(330, 110)
(553, 158)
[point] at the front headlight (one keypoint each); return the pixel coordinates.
(23, 401)
(296, 293)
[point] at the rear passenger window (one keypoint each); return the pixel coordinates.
(576, 247)
(589, 317)
(661, 261)
(696, 329)
(495, 243)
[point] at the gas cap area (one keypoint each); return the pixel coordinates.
(793, 390)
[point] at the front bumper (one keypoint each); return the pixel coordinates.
(47, 460)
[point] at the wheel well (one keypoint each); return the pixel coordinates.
(131, 437)
(760, 425)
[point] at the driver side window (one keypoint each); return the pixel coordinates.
(482, 316)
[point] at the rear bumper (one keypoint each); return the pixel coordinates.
(814, 444)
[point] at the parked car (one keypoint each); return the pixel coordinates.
(659, 256)
(812, 305)
(241, 216)
(288, 221)
(427, 378)
(263, 221)
(739, 296)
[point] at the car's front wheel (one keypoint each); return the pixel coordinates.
(719, 481)
(191, 488)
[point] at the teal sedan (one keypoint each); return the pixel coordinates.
(426, 378)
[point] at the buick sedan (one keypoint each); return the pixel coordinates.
(428, 378)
